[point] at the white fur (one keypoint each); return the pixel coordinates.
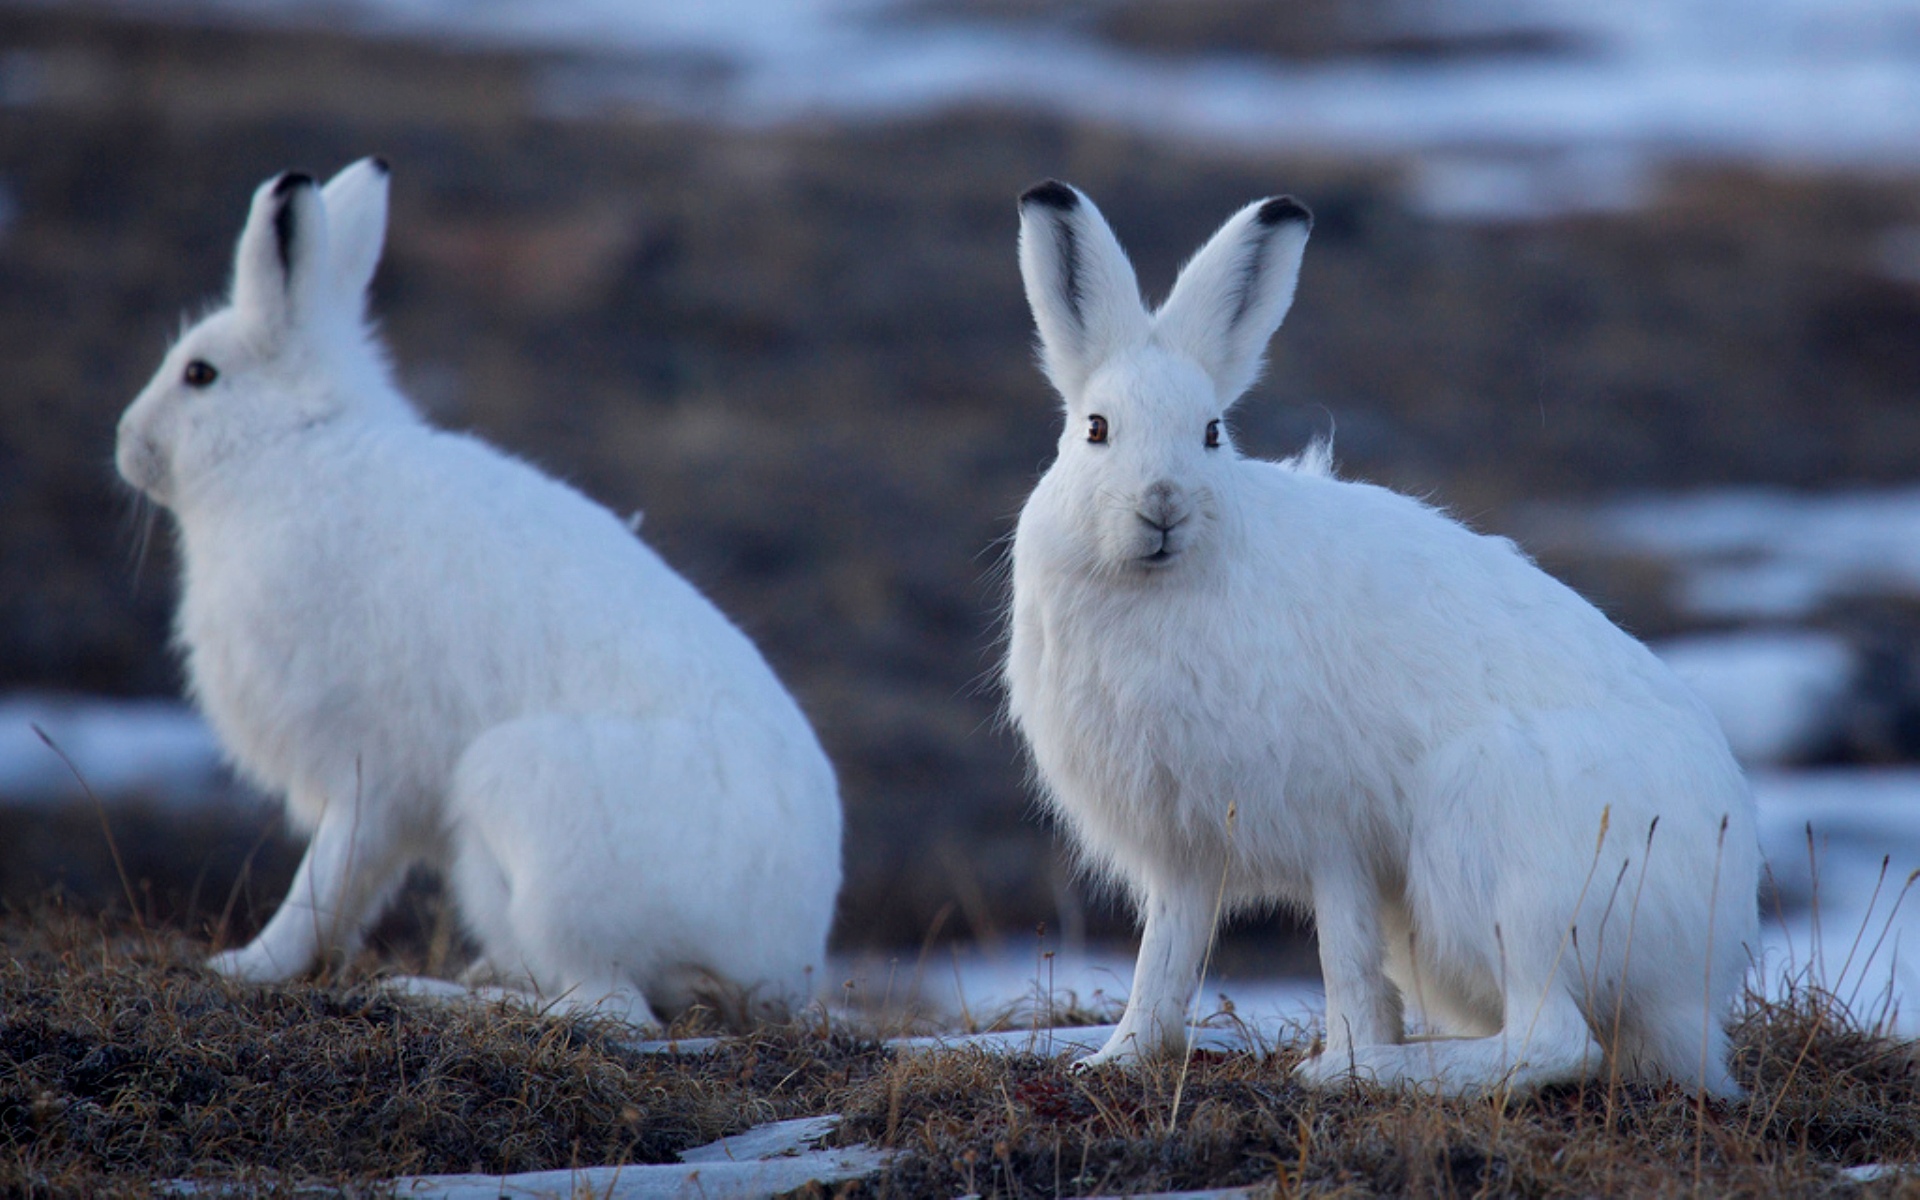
(1248, 683)
(441, 655)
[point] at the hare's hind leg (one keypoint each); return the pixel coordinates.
(1557, 1048)
(606, 857)
(1534, 1034)
(1444, 999)
(537, 826)
(1676, 1042)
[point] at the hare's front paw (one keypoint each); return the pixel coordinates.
(1101, 1058)
(252, 964)
(1122, 1049)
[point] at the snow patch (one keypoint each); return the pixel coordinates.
(1508, 187)
(152, 749)
(766, 1160)
(1762, 553)
(1777, 693)
(1842, 919)
(974, 983)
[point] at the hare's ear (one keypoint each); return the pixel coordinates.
(1231, 297)
(1080, 285)
(280, 267)
(356, 202)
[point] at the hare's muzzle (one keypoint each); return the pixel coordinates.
(1164, 506)
(138, 460)
(1162, 510)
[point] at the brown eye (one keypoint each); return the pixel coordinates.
(1213, 435)
(199, 373)
(1097, 429)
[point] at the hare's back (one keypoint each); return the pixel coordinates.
(532, 550)
(1401, 591)
(429, 569)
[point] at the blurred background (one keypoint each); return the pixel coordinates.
(1637, 284)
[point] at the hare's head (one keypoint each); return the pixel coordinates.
(1146, 455)
(290, 351)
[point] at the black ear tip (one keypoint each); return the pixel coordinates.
(381, 165)
(1052, 194)
(291, 180)
(1282, 210)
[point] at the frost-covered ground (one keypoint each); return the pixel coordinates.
(1582, 122)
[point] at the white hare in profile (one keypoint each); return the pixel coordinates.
(1250, 683)
(441, 655)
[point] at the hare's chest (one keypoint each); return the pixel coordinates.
(1138, 722)
(238, 688)
(260, 629)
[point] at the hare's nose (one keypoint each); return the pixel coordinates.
(1163, 506)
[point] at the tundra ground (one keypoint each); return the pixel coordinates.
(124, 1064)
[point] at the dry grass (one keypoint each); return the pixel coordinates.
(1825, 1094)
(123, 1063)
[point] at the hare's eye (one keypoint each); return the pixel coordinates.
(1213, 435)
(199, 373)
(1096, 429)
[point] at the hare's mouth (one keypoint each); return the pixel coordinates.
(1160, 546)
(1162, 554)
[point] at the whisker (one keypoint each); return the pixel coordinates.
(138, 529)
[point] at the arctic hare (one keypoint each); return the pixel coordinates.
(1249, 683)
(441, 655)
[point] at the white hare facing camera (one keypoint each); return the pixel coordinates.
(1248, 684)
(439, 654)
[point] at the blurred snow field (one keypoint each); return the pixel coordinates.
(1761, 553)
(1777, 692)
(1842, 849)
(1565, 115)
(150, 750)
